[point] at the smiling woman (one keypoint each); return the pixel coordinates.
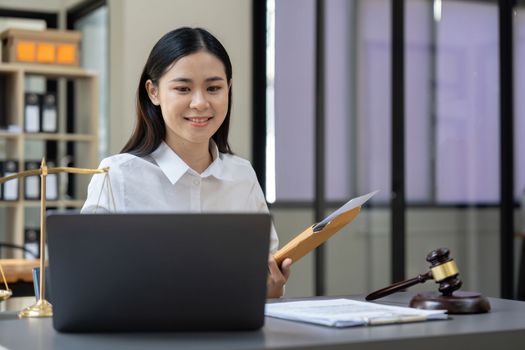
(193, 99)
(178, 158)
(171, 68)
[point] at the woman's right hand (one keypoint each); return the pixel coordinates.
(277, 277)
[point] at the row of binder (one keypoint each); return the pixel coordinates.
(3, 102)
(32, 243)
(9, 190)
(40, 112)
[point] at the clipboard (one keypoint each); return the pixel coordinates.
(315, 235)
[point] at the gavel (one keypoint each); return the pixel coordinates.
(444, 271)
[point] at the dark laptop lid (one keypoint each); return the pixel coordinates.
(158, 272)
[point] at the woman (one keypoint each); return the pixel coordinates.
(178, 158)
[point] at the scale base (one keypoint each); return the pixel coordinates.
(457, 303)
(42, 308)
(5, 294)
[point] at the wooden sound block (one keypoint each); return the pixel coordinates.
(457, 303)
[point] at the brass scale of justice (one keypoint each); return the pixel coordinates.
(443, 269)
(42, 307)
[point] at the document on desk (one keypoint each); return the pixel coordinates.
(348, 313)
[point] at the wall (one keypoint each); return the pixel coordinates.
(136, 25)
(33, 5)
(59, 6)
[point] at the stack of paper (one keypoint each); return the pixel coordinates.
(346, 312)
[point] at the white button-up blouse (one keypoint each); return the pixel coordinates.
(163, 182)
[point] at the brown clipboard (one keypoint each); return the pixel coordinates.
(308, 240)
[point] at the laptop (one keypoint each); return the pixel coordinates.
(158, 272)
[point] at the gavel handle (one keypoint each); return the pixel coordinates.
(398, 286)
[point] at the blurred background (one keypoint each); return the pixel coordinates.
(332, 99)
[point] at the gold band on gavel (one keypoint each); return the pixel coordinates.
(445, 270)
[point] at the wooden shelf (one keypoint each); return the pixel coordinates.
(19, 270)
(77, 203)
(9, 135)
(9, 204)
(62, 203)
(51, 71)
(19, 145)
(8, 68)
(60, 137)
(49, 136)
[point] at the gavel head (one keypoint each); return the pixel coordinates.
(444, 271)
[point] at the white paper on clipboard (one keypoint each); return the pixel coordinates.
(351, 204)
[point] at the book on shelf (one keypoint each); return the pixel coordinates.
(32, 112)
(49, 120)
(32, 183)
(1, 175)
(10, 188)
(32, 243)
(4, 120)
(51, 184)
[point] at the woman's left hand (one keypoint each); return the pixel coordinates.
(277, 277)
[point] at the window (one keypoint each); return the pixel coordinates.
(451, 107)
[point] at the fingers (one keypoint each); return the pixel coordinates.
(286, 268)
(273, 269)
(277, 272)
(277, 277)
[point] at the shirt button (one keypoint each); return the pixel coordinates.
(196, 182)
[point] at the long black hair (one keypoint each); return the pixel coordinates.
(150, 129)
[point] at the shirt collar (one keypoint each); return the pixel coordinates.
(174, 167)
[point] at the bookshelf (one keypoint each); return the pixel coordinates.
(77, 133)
